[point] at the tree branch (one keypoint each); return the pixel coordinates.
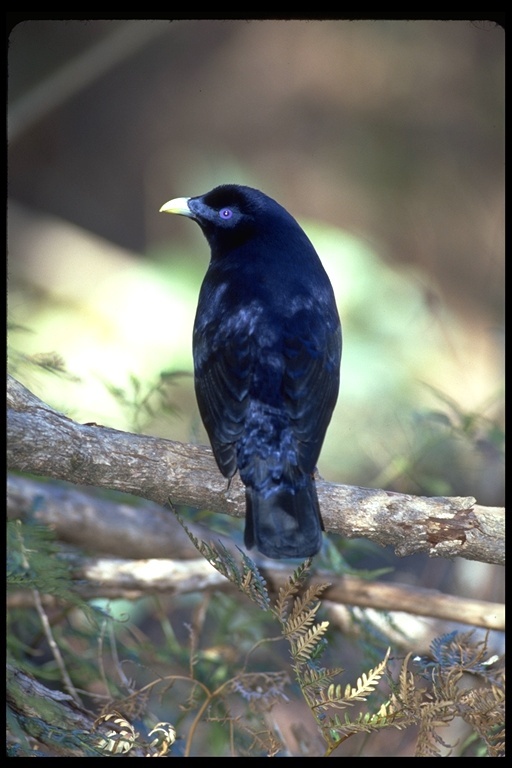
(115, 578)
(86, 518)
(44, 442)
(165, 560)
(54, 724)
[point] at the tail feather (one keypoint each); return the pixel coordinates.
(284, 521)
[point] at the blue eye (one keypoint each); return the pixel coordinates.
(225, 213)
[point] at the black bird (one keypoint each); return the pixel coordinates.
(267, 350)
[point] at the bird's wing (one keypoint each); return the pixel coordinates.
(222, 386)
(311, 386)
(309, 391)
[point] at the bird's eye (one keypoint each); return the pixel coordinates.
(225, 213)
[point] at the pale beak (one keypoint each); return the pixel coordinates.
(178, 205)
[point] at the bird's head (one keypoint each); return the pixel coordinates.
(231, 214)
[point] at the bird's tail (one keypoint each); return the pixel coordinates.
(284, 521)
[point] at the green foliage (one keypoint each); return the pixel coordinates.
(296, 614)
(447, 443)
(247, 577)
(210, 691)
(409, 704)
(49, 362)
(240, 656)
(31, 548)
(142, 401)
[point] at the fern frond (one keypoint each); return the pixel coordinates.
(367, 682)
(483, 701)
(299, 624)
(34, 561)
(484, 710)
(432, 717)
(460, 651)
(309, 600)
(254, 584)
(334, 696)
(337, 731)
(303, 612)
(245, 575)
(290, 589)
(302, 648)
(318, 678)
(407, 692)
(496, 748)
(389, 715)
(437, 713)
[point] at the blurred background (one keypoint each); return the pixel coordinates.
(385, 139)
